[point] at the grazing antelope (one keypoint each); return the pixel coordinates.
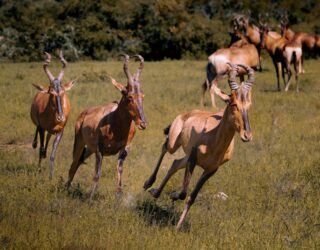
(218, 67)
(109, 129)
(206, 138)
(50, 111)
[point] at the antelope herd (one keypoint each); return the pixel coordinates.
(206, 138)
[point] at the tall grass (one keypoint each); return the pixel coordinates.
(272, 182)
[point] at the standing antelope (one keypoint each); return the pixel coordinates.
(206, 138)
(109, 129)
(308, 41)
(50, 111)
(252, 32)
(283, 53)
(218, 67)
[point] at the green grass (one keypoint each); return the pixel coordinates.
(272, 182)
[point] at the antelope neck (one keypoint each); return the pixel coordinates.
(225, 131)
(122, 113)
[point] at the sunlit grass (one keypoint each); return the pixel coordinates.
(272, 182)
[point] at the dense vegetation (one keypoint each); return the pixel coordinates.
(157, 29)
(272, 182)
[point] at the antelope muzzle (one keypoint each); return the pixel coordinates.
(246, 136)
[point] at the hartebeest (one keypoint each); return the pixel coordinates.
(308, 41)
(109, 129)
(282, 53)
(50, 111)
(252, 32)
(206, 138)
(218, 67)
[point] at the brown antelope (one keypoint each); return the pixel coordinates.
(282, 53)
(109, 129)
(206, 138)
(50, 111)
(218, 67)
(252, 32)
(237, 39)
(308, 41)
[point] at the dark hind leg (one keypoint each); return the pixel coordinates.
(35, 140)
(153, 176)
(41, 149)
(54, 150)
(204, 88)
(46, 145)
(176, 165)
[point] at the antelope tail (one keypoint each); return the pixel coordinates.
(294, 57)
(166, 130)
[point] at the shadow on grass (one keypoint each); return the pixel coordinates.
(77, 192)
(162, 216)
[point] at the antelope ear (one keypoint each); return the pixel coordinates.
(69, 85)
(119, 86)
(40, 88)
(220, 93)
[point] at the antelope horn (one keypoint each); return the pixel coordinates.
(45, 67)
(138, 73)
(249, 82)
(126, 68)
(232, 77)
(64, 64)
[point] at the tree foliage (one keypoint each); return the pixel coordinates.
(158, 29)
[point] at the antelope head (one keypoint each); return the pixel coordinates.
(284, 23)
(239, 101)
(132, 94)
(56, 89)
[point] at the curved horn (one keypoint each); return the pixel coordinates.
(232, 77)
(126, 68)
(64, 64)
(249, 82)
(138, 73)
(45, 67)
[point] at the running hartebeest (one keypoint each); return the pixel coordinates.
(109, 129)
(206, 138)
(50, 111)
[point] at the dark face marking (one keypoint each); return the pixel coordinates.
(135, 98)
(240, 105)
(56, 85)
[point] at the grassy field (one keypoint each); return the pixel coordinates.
(272, 182)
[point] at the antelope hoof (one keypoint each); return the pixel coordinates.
(43, 153)
(148, 183)
(34, 144)
(175, 196)
(119, 192)
(154, 192)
